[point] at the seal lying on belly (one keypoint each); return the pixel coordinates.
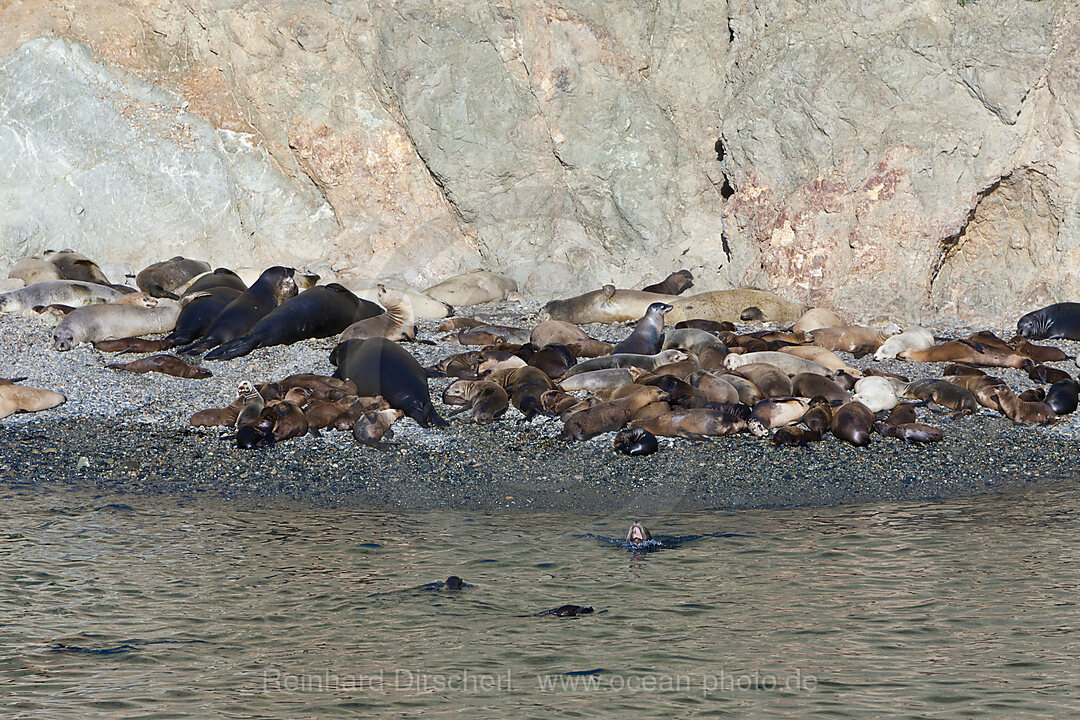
(274, 286)
(73, 293)
(1061, 320)
(321, 311)
(215, 291)
(163, 279)
(381, 367)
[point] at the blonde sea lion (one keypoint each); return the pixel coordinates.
(822, 356)
(598, 379)
(774, 413)
(816, 318)
(23, 398)
(969, 352)
(397, 323)
(913, 338)
(875, 392)
(850, 338)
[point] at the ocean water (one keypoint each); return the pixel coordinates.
(166, 607)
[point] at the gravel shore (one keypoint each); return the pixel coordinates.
(129, 433)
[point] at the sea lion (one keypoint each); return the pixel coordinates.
(774, 413)
(715, 388)
(554, 360)
(289, 420)
(647, 337)
(112, 322)
(424, 307)
(1062, 396)
(826, 358)
(914, 338)
(627, 360)
(1047, 374)
(694, 424)
(790, 364)
(817, 318)
(942, 392)
(1038, 353)
(73, 293)
(382, 367)
(374, 426)
(876, 392)
(674, 284)
(850, 338)
(558, 332)
(1021, 411)
(771, 380)
(911, 432)
(811, 385)
(165, 278)
(609, 416)
(472, 288)
(458, 323)
(397, 323)
(638, 534)
(22, 398)
(74, 266)
(692, 340)
(274, 287)
(33, 270)
(792, 436)
(165, 364)
(318, 312)
(486, 400)
(749, 393)
(1060, 320)
(818, 417)
(973, 353)
(132, 345)
(852, 422)
(492, 335)
(208, 296)
(598, 379)
(711, 326)
(524, 385)
(250, 404)
(564, 611)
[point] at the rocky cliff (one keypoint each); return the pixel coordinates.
(912, 160)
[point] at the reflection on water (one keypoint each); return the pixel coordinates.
(166, 607)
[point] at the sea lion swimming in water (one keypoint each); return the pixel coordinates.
(638, 534)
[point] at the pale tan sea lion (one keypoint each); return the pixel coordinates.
(967, 352)
(22, 398)
(876, 392)
(398, 323)
(791, 364)
(913, 338)
(598, 379)
(112, 322)
(825, 358)
(775, 413)
(816, 318)
(33, 270)
(850, 338)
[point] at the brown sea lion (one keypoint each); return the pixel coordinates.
(850, 338)
(943, 393)
(818, 417)
(911, 432)
(485, 399)
(322, 413)
(966, 351)
(810, 385)
(776, 412)
(792, 436)
(524, 385)
(609, 416)
(816, 318)
(772, 381)
(1047, 374)
(554, 360)
(558, 332)
(694, 424)
(75, 266)
(674, 284)
(373, 427)
(397, 323)
(165, 364)
(852, 422)
(458, 323)
(711, 326)
(714, 387)
(1038, 353)
(1021, 411)
(648, 335)
(133, 345)
(164, 279)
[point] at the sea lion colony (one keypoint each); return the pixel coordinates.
(699, 379)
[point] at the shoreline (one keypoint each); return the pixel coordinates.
(128, 433)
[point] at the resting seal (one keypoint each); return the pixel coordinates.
(674, 284)
(73, 266)
(1061, 320)
(163, 279)
(381, 367)
(397, 323)
(638, 441)
(274, 286)
(20, 398)
(73, 293)
(112, 322)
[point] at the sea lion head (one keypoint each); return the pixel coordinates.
(454, 583)
(659, 308)
(757, 427)
(638, 534)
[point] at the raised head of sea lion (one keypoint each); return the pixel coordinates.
(648, 335)
(638, 534)
(397, 323)
(634, 442)
(674, 284)
(374, 426)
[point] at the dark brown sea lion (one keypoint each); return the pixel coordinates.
(850, 338)
(609, 416)
(810, 385)
(707, 325)
(695, 424)
(1062, 396)
(289, 420)
(852, 422)
(73, 266)
(1038, 353)
(795, 436)
(1047, 374)
(674, 284)
(637, 441)
(942, 392)
(458, 323)
(648, 335)
(1020, 411)
(461, 365)
(381, 367)
(554, 360)
(1060, 320)
(322, 413)
(818, 417)
(165, 364)
(274, 286)
(132, 345)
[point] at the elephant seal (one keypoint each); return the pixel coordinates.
(627, 360)
(472, 288)
(638, 534)
(817, 318)
(318, 312)
(112, 322)
(674, 284)
(382, 367)
(209, 295)
(397, 322)
(558, 332)
(648, 335)
(73, 266)
(1060, 320)
(727, 304)
(274, 286)
(22, 398)
(607, 305)
(73, 293)
(914, 338)
(163, 279)
(637, 441)
(165, 364)
(852, 422)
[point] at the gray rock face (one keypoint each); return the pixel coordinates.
(915, 160)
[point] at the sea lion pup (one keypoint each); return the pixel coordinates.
(942, 392)
(790, 364)
(556, 402)
(165, 278)
(554, 360)
(1038, 353)
(1060, 320)
(914, 338)
(374, 426)
(911, 432)
(792, 436)
(56, 292)
(692, 340)
(321, 413)
(876, 392)
(132, 345)
(648, 335)
(488, 361)
(472, 288)
(382, 367)
(397, 323)
(854, 339)
(112, 322)
(710, 326)
(289, 420)
(22, 398)
(676, 283)
(970, 352)
(627, 360)
(458, 323)
(693, 424)
(524, 385)
(769, 379)
(208, 296)
(1021, 411)
(818, 417)
(749, 393)
(250, 403)
(318, 312)
(274, 286)
(74, 266)
(774, 413)
(165, 364)
(817, 318)
(558, 332)
(715, 388)
(491, 335)
(1047, 374)
(598, 379)
(810, 385)
(609, 416)
(460, 365)
(852, 422)
(485, 399)
(638, 534)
